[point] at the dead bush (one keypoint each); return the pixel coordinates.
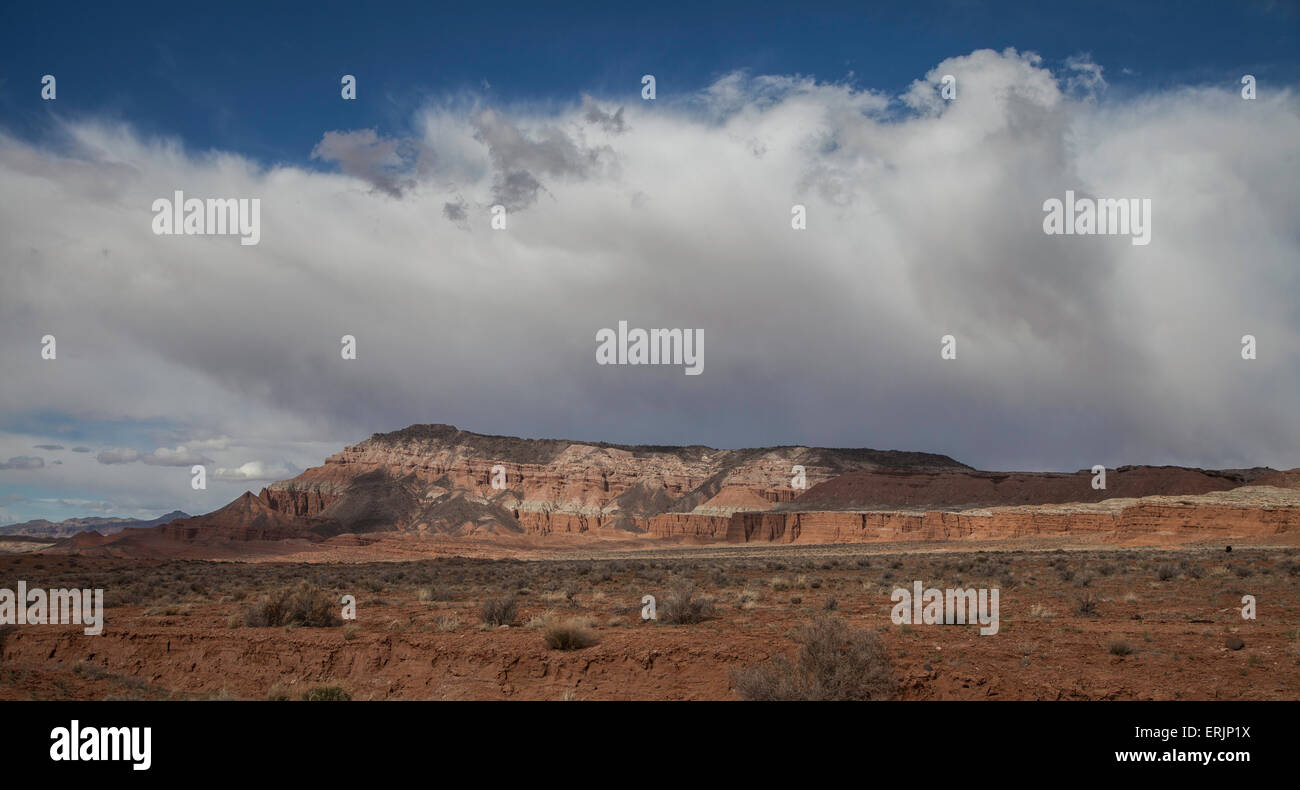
(833, 662)
(571, 634)
(302, 605)
(499, 611)
(682, 607)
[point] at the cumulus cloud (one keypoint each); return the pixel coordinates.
(23, 462)
(924, 219)
(255, 470)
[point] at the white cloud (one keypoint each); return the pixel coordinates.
(924, 219)
(255, 470)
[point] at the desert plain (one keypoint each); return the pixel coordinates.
(438, 564)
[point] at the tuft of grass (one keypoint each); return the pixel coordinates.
(1119, 647)
(1086, 606)
(541, 620)
(278, 693)
(572, 634)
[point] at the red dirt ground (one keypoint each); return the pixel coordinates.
(175, 638)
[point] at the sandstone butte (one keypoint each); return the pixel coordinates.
(436, 480)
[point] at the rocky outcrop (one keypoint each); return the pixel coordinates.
(559, 486)
(1246, 512)
(436, 480)
(248, 518)
(678, 525)
(890, 489)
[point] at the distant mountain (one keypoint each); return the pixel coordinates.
(104, 525)
(438, 481)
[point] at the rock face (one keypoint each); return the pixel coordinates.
(247, 518)
(438, 480)
(1251, 511)
(902, 490)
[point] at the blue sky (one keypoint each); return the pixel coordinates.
(262, 78)
(923, 221)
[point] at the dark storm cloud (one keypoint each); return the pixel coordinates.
(456, 211)
(610, 122)
(385, 164)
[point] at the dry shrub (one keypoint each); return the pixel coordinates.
(682, 607)
(303, 605)
(499, 611)
(1119, 647)
(435, 593)
(1086, 607)
(325, 694)
(571, 634)
(834, 662)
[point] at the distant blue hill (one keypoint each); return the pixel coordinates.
(105, 525)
